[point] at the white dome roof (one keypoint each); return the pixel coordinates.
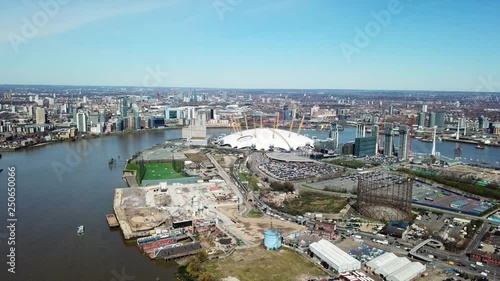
(262, 138)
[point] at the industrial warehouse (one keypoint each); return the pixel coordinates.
(334, 257)
(394, 268)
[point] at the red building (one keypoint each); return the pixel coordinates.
(323, 229)
(485, 257)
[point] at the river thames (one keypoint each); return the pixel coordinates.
(64, 185)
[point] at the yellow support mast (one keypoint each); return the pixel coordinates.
(276, 124)
(300, 126)
(254, 127)
(232, 123)
(291, 127)
(238, 125)
(261, 121)
(246, 122)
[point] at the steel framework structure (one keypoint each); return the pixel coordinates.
(384, 196)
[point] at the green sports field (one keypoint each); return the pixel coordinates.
(161, 171)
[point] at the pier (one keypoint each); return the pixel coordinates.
(177, 252)
(459, 140)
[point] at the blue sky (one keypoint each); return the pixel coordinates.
(425, 45)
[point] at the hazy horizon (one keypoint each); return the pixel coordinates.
(283, 44)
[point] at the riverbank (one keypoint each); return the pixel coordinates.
(85, 180)
(41, 144)
(470, 142)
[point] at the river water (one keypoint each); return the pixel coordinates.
(63, 185)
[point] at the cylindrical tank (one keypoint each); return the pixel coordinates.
(272, 239)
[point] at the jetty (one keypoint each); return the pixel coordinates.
(112, 221)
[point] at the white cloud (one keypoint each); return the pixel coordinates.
(74, 15)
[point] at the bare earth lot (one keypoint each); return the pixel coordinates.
(253, 228)
(257, 263)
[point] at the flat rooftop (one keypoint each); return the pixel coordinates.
(288, 157)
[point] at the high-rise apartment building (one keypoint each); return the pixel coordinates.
(404, 140)
(40, 116)
(388, 139)
(81, 122)
(432, 120)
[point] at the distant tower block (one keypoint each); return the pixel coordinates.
(388, 139)
(433, 153)
(360, 131)
(334, 134)
(404, 139)
(375, 133)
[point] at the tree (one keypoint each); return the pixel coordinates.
(206, 276)
(202, 256)
(194, 267)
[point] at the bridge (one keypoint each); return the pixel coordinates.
(432, 243)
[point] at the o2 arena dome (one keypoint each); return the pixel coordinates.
(266, 139)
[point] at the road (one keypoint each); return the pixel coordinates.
(441, 257)
(230, 183)
(231, 227)
(477, 238)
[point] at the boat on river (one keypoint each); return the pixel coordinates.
(80, 230)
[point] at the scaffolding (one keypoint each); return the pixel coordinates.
(384, 196)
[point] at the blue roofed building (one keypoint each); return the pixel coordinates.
(397, 229)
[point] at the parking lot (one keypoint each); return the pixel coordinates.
(291, 171)
(431, 195)
(433, 222)
(343, 184)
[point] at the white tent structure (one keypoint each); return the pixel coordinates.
(266, 138)
(408, 272)
(381, 260)
(392, 266)
(332, 255)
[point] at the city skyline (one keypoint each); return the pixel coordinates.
(254, 45)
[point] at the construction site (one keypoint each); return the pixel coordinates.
(140, 210)
(384, 196)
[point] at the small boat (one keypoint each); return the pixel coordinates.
(81, 230)
(479, 146)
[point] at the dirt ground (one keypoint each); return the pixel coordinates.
(256, 263)
(253, 228)
(228, 161)
(196, 157)
(485, 174)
